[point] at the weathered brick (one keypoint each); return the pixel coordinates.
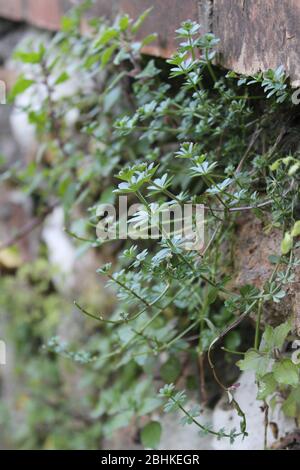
(165, 17)
(44, 13)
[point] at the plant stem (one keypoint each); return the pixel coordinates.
(257, 327)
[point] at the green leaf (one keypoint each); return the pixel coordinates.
(266, 386)
(287, 243)
(206, 338)
(29, 57)
(105, 37)
(149, 71)
(124, 22)
(67, 24)
(107, 54)
(170, 370)
(275, 337)
(148, 405)
(274, 259)
(254, 361)
(291, 406)
(148, 39)
(233, 340)
(296, 229)
(64, 76)
(138, 23)
(294, 168)
(280, 334)
(212, 295)
(276, 165)
(151, 434)
(286, 372)
(121, 420)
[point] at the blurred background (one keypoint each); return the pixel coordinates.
(52, 394)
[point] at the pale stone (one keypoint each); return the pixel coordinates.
(225, 417)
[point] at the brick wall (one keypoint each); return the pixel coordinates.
(166, 16)
(255, 34)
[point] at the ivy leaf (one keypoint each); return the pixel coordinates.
(286, 372)
(108, 52)
(136, 26)
(149, 71)
(151, 434)
(254, 361)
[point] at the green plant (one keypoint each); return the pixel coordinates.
(177, 132)
(41, 415)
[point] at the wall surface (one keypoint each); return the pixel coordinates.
(255, 34)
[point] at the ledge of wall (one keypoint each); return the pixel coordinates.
(255, 34)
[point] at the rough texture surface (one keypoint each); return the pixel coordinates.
(225, 416)
(255, 34)
(258, 34)
(253, 247)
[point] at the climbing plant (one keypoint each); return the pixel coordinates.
(167, 132)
